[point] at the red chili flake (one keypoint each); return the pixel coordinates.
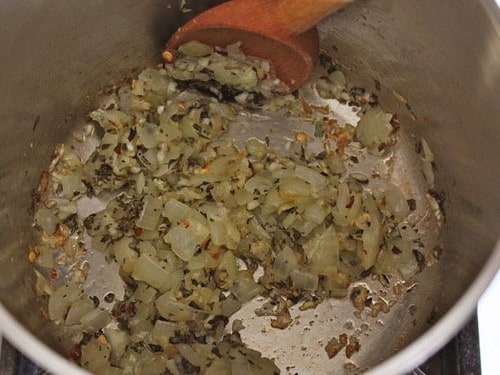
(53, 273)
(216, 253)
(351, 202)
(75, 353)
(130, 309)
(137, 231)
(186, 223)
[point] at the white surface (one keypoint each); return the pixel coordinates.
(488, 313)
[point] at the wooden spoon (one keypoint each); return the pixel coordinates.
(281, 31)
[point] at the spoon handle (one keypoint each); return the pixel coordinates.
(299, 16)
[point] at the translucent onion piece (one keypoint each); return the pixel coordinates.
(304, 280)
(151, 271)
(186, 238)
(150, 213)
(169, 308)
(220, 366)
(196, 49)
(125, 256)
(396, 203)
(95, 355)
(316, 179)
(95, 319)
(46, 220)
(177, 211)
(256, 148)
(61, 300)
(286, 261)
(118, 340)
(258, 184)
(45, 256)
(322, 252)
(78, 309)
(374, 129)
(246, 289)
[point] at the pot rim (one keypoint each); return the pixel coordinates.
(447, 326)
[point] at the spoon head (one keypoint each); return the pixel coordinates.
(259, 28)
(293, 59)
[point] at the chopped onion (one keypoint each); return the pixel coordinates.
(151, 271)
(311, 176)
(322, 252)
(45, 256)
(291, 188)
(169, 308)
(304, 280)
(246, 289)
(186, 238)
(196, 49)
(46, 220)
(163, 331)
(95, 355)
(221, 366)
(118, 341)
(95, 319)
(286, 261)
(125, 256)
(176, 212)
(150, 213)
(78, 309)
(61, 300)
(258, 184)
(256, 148)
(374, 129)
(396, 203)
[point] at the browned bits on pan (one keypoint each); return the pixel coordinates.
(282, 321)
(306, 106)
(324, 109)
(302, 138)
(358, 296)
(335, 345)
(378, 306)
(283, 317)
(352, 347)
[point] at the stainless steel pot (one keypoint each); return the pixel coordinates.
(438, 64)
